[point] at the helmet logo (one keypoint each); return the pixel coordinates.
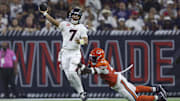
(98, 52)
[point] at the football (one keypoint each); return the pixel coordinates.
(43, 7)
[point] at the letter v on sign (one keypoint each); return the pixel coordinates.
(25, 57)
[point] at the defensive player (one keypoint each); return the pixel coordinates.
(74, 35)
(99, 65)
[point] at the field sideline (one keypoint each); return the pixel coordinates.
(91, 99)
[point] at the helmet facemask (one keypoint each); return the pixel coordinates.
(75, 18)
(96, 55)
(93, 59)
(75, 15)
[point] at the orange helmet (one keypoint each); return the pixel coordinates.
(96, 55)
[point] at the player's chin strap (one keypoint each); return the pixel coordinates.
(126, 69)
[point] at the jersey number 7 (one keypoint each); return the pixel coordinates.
(73, 34)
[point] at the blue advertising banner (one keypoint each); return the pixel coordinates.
(155, 55)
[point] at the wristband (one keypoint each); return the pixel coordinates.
(45, 13)
(81, 41)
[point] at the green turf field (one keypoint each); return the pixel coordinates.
(170, 99)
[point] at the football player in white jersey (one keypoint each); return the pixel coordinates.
(74, 35)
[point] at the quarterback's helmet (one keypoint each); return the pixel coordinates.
(97, 54)
(75, 15)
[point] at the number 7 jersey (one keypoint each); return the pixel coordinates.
(70, 33)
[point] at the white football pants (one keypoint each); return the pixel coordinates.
(69, 60)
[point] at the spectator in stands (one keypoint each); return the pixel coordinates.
(121, 11)
(106, 14)
(121, 24)
(3, 20)
(29, 24)
(4, 11)
(74, 3)
(152, 20)
(41, 21)
(177, 20)
(54, 2)
(4, 1)
(149, 4)
(95, 5)
(15, 25)
(48, 27)
(90, 25)
(135, 5)
(177, 4)
(2, 30)
(167, 23)
(134, 22)
(91, 21)
(61, 9)
(3, 24)
(170, 10)
(89, 14)
(152, 14)
(40, 1)
(15, 7)
(8, 69)
(77, 2)
(163, 3)
(30, 7)
(19, 17)
(152, 25)
(103, 25)
(150, 10)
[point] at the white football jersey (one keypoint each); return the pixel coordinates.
(70, 33)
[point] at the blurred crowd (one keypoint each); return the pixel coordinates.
(97, 14)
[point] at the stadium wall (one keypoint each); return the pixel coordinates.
(155, 55)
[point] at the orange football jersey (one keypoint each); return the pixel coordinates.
(106, 72)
